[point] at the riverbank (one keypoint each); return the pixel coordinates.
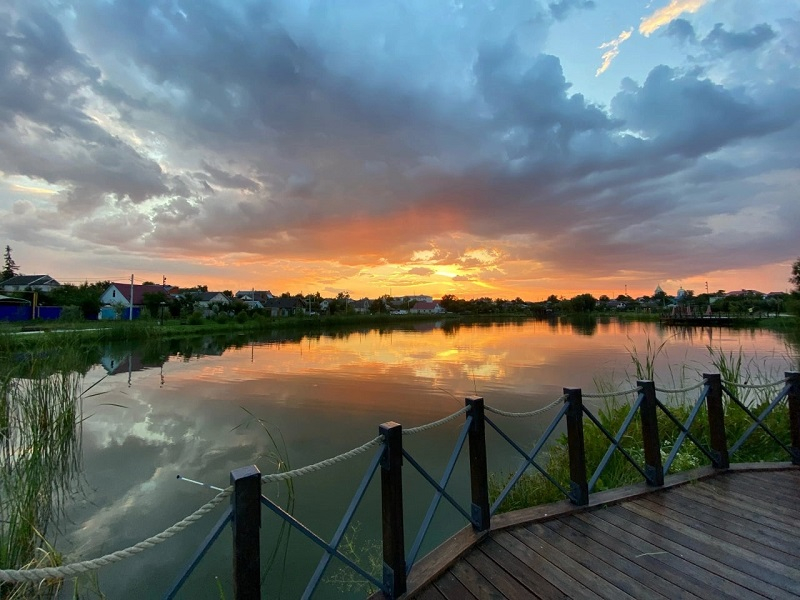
(22, 334)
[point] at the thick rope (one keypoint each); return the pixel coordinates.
(74, 569)
(753, 386)
(683, 390)
(323, 463)
(612, 394)
(421, 428)
(532, 413)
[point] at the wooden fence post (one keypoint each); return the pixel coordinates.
(478, 471)
(394, 560)
(716, 421)
(650, 438)
(246, 524)
(579, 486)
(793, 399)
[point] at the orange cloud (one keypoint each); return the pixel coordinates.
(672, 11)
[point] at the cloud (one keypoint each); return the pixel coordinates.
(681, 30)
(663, 16)
(724, 42)
(311, 142)
(612, 51)
(561, 9)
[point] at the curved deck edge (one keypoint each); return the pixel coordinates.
(446, 554)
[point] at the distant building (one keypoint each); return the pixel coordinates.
(24, 283)
(427, 308)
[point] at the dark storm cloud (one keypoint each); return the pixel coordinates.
(681, 30)
(561, 9)
(302, 128)
(727, 41)
(46, 130)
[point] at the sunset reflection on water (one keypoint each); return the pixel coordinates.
(195, 413)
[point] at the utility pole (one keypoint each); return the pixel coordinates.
(130, 304)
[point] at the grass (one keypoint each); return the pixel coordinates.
(40, 459)
(533, 488)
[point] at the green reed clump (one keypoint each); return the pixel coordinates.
(533, 488)
(40, 420)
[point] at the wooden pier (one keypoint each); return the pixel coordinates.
(705, 534)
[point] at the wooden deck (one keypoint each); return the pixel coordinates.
(733, 535)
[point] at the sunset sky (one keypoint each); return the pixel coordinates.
(501, 149)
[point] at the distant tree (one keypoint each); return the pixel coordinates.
(153, 300)
(553, 299)
(604, 298)
(794, 279)
(227, 293)
(148, 283)
(201, 288)
(583, 303)
(10, 268)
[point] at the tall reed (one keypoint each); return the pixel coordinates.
(40, 458)
(533, 489)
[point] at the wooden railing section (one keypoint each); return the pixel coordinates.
(391, 458)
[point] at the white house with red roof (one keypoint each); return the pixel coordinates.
(427, 308)
(118, 295)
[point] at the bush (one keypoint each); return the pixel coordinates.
(242, 317)
(71, 314)
(195, 318)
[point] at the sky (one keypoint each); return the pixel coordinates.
(482, 149)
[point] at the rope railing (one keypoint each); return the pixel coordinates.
(286, 475)
(426, 427)
(530, 413)
(635, 390)
(74, 569)
(682, 390)
(756, 386)
(33, 575)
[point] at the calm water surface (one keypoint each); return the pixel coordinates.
(201, 409)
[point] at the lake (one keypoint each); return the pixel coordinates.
(200, 408)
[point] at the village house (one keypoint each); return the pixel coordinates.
(117, 298)
(427, 308)
(27, 283)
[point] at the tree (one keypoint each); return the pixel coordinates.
(10, 268)
(794, 279)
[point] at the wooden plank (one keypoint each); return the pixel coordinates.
(659, 575)
(662, 557)
(522, 572)
(697, 551)
(729, 505)
(776, 486)
(574, 545)
(475, 581)
(728, 547)
(760, 489)
(451, 588)
(720, 516)
(429, 593)
(719, 576)
(728, 492)
(716, 544)
(549, 571)
(507, 585)
(582, 578)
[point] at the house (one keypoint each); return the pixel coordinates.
(26, 283)
(254, 295)
(427, 308)
(283, 307)
(361, 307)
(117, 297)
(208, 299)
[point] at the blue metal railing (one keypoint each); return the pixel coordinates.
(390, 454)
